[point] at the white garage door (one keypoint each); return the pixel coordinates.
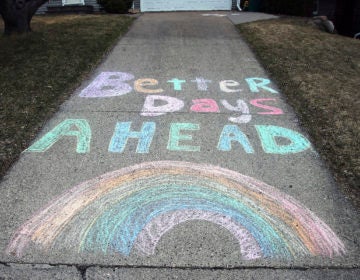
(184, 5)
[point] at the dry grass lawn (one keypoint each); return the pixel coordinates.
(38, 71)
(319, 73)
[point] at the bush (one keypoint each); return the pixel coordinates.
(116, 6)
(288, 7)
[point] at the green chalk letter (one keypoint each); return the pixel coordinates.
(177, 83)
(269, 133)
(175, 137)
(69, 127)
(256, 83)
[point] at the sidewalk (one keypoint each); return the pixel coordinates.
(177, 158)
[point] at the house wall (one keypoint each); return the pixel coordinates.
(357, 18)
(56, 3)
(137, 4)
(94, 4)
(43, 8)
(327, 8)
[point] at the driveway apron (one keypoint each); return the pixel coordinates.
(178, 151)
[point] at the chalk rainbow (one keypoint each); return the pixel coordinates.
(132, 208)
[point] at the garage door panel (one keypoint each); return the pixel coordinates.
(184, 5)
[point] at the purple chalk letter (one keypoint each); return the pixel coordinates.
(108, 84)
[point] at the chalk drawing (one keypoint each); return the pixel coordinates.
(122, 133)
(176, 136)
(141, 84)
(201, 83)
(292, 141)
(177, 83)
(112, 84)
(224, 86)
(78, 128)
(205, 106)
(108, 84)
(157, 105)
(241, 107)
(271, 109)
(152, 109)
(269, 133)
(132, 208)
(151, 234)
(232, 133)
(255, 84)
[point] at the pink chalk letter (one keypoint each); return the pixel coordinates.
(271, 109)
(205, 105)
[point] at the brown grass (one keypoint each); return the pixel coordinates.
(320, 75)
(38, 71)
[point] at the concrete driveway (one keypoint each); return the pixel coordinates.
(178, 158)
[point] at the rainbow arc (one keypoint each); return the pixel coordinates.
(132, 208)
